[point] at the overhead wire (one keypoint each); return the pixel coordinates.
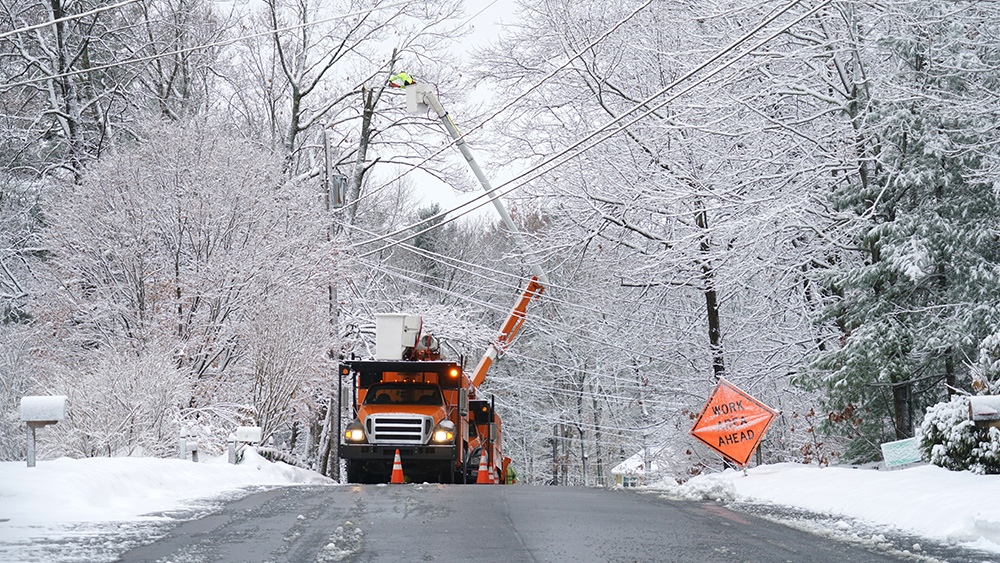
(514, 285)
(516, 279)
(534, 414)
(479, 13)
(549, 417)
(203, 46)
(539, 322)
(607, 376)
(552, 162)
(557, 159)
(642, 116)
(452, 142)
(603, 376)
(67, 18)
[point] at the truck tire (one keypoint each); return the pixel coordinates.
(354, 473)
(447, 473)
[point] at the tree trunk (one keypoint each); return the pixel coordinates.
(711, 297)
(66, 98)
(902, 409)
(949, 370)
(555, 454)
(597, 444)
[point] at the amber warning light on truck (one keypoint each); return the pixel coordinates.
(732, 423)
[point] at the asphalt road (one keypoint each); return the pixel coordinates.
(484, 524)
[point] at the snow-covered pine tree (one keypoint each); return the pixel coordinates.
(917, 297)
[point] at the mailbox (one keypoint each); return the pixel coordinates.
(238, 440)
(248, 434)
(984, 410)
(37, 412)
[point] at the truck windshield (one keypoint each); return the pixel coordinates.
(390, 394)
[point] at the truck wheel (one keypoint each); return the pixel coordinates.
(354, 473)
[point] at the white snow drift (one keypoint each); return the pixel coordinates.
(950, 506)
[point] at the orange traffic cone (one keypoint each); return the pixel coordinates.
(484, 472)
(397, 469)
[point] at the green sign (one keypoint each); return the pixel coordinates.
(900, 452)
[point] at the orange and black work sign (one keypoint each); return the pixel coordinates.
(732, 423)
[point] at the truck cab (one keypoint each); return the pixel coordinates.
(419, 408)
(407, 400)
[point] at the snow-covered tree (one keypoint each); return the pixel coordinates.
(915, 298)
(948, 438)
(194, 244)
(20, 372)
(21, 219)
(693, 227)
(73, 89)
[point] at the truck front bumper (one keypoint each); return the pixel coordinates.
(386, 452)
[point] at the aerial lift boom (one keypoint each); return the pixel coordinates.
(420, 97)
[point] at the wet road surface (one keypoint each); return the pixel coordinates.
(379, 523)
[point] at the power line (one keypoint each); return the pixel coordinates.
(469, 268)
(68, 18)
(505, 107)
(538, 321)
(480, 12)
(203, 46)
(557, 159)
(548, 162)
(515, 286)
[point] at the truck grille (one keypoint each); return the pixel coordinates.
(398, 428)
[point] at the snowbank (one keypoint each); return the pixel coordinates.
(115, 489)
(928, 500)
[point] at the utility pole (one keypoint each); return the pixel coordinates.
(644, 413)
(333, 197)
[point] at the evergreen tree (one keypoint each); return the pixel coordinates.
(918, 300)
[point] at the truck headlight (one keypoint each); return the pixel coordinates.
(444, 432)
(355, 432)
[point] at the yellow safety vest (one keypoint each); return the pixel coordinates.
(404, 79)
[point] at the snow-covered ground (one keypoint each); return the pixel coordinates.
(94, 509)
(958, 508)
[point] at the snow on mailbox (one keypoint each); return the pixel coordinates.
(984, 410)
(248, 434)
(43, 410)
(37, 412)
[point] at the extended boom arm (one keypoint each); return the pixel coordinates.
(421, 96)
(418, 98)
(507, 332)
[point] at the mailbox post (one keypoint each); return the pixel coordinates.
(37, 412)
